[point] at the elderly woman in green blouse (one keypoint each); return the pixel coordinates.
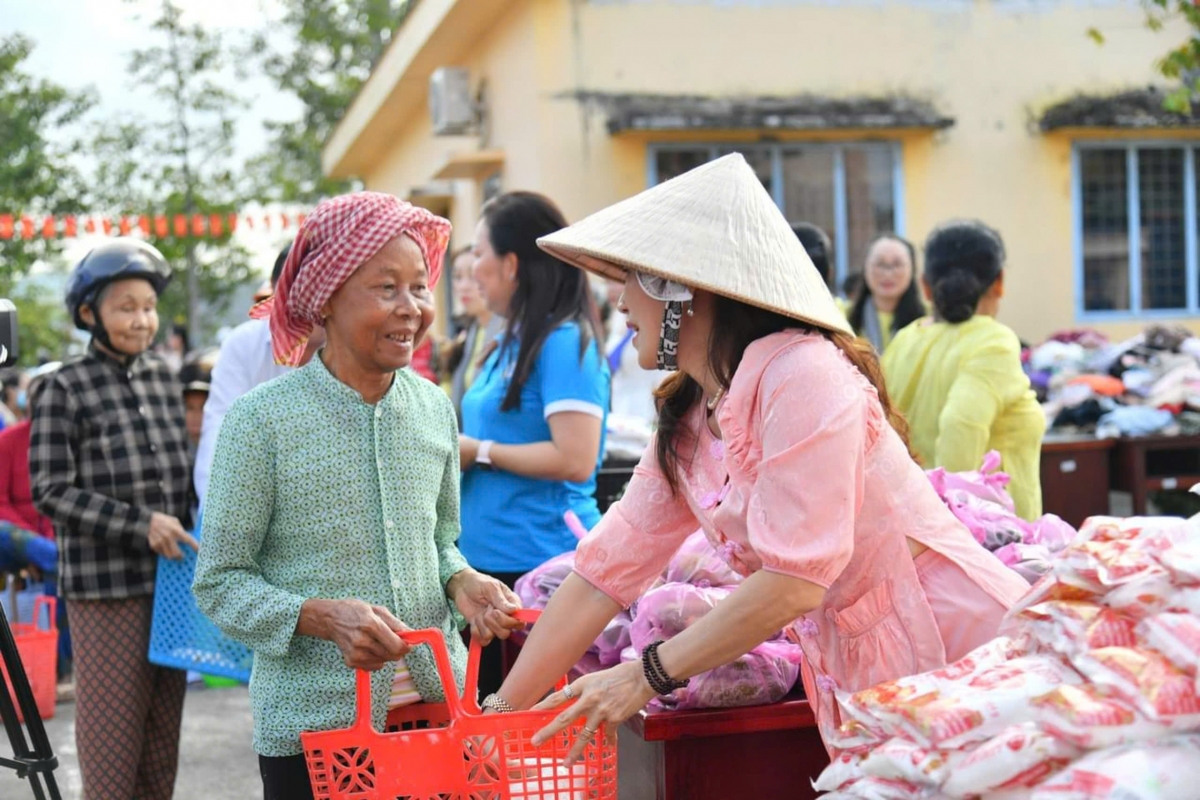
(332, 512)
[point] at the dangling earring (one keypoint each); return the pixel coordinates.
(691, 311)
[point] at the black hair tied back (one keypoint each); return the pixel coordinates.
(956, 295)
(963, 259)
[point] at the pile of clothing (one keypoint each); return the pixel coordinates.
(1149, 384)
(981, 502)
(1091, 691)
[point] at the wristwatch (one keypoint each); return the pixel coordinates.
(483, 457)
(497, 703)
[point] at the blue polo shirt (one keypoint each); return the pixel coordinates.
(511, 523)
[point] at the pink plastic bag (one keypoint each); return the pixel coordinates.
(987, 484)
(697, 563)
(613, 640)
(670, 609)
(536, 586)
(764, 675)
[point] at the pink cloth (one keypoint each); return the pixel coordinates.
(339, 236)
(962, 609)
(820, 488)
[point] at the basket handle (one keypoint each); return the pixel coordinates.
(433, 637)
(441, 657)
(50, 604)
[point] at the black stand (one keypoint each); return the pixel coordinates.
(32, 759)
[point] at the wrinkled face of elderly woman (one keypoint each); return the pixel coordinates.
(383, 311)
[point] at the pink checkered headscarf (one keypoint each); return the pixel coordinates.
(340, 236)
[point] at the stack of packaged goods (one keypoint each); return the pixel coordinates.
(1091, 691)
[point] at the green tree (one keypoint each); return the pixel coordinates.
(1182, 63)
(334, 46)
(180, 164)
(36, 174)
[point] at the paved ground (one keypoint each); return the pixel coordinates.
(215, 760)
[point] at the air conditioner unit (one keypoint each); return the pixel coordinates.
(450, 105)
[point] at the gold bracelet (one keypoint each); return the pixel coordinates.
(497, 703)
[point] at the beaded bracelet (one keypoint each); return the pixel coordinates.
(656, 676)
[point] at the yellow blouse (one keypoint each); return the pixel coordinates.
(963, 391)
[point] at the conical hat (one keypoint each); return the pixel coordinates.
(714, 228)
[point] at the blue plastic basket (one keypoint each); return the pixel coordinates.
(181, 636)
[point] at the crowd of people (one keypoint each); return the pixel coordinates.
(346, 475)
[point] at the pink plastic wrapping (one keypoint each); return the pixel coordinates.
(987, 484)
(669, 609)
(697, 563)
(536, 586)
(764, 675)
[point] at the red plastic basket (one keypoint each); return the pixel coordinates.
(452, 751)
(39, 654)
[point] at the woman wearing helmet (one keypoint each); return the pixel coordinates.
(109, 465)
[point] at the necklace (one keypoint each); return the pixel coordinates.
(716, 398)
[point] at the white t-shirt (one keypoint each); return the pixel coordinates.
(244, 362)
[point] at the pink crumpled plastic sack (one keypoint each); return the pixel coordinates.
(987, 484)
(697, 563)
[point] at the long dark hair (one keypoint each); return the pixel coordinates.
(549, 292)
(909, 309)
(740, 325)
(963, 258)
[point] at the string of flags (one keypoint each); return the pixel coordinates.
(180, 226)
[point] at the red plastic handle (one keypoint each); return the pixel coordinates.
(434, 639)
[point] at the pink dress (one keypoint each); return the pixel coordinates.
(810, 481)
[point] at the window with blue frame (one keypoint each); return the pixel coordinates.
(851, 190)
(1136, 230)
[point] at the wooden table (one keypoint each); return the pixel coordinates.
(762, 752)
(1145, 464)
(1075, 477)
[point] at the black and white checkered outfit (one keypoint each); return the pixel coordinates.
(108, 446)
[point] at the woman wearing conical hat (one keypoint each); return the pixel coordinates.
(777, 438)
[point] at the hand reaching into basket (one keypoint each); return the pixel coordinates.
(606, 698)
(166, 534)
(365, 634)
(486, 603)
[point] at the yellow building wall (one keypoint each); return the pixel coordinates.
(993, 66)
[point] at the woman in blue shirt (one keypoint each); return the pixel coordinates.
(533, 420)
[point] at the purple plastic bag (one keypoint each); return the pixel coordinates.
(993, 526)
(613, 639)
(535, 587)
(669, 609)
(697, 563)
(764, 675)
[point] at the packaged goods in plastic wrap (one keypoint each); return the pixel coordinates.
(1094, 694)
(1166, 769)
(1019, 757)
(697, 563)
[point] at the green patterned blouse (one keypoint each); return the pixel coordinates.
(315, 493)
